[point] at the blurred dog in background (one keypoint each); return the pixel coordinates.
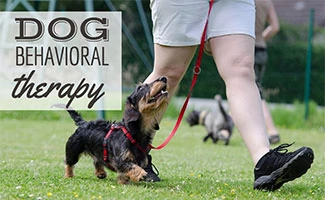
(218, 124)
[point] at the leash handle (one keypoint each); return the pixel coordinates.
(197, 70)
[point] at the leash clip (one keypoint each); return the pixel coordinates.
(196, 70)
(114, 126)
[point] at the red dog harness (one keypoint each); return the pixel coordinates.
(127, 134)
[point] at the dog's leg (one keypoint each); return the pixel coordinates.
(218, 135)
(207, 137)
(68, 171)
(215, 137)
(229, 135)
(128, 170)
(136, 173)
(99, 170)
(73, 149)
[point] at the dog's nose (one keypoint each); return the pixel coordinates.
(163, 79)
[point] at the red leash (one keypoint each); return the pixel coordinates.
(196, 70)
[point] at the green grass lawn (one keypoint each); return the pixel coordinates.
(32, 153)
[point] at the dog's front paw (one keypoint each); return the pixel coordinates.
(100, 173)
(136, 174)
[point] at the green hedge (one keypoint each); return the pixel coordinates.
(286, 71)
(284, 78)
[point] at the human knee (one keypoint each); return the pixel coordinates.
(246, 66)
(241, 67)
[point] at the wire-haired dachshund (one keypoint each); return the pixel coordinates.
(218, 124)
(120, 146)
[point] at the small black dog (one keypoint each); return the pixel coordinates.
(219, 124)
(121, 146)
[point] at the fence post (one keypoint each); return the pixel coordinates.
(308, 62)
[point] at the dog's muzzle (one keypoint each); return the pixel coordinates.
(162, 92)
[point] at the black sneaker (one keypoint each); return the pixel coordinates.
(276, 168)
(151, 176)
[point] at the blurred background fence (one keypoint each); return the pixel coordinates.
(284, 79)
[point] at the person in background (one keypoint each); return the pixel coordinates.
(177, 31)
(265, 14)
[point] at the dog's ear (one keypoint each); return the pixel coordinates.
(130, 112)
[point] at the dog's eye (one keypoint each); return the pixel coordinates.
(139, 88)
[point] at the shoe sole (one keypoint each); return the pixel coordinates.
(293, 169)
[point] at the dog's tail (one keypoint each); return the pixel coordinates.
(76, 117)
(223, 111)
(73, 114)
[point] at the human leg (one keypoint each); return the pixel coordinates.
(271, 129)
(176, 35)
(171, 62)
(259, 68)
(234, 56)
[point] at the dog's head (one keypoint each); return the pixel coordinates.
(193, 118)
(147, 103)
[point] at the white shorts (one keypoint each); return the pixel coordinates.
(181, 22)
